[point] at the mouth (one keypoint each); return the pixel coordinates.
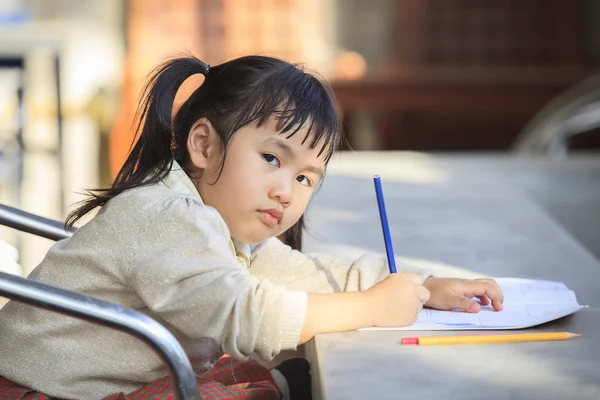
(272, 217)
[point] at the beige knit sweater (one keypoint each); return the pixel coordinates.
(158, 249)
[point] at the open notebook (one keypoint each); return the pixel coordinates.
(527, 302)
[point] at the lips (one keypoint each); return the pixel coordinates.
(271, 216)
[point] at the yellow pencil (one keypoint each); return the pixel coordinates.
(483, 339)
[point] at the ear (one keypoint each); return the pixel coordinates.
(201, 143)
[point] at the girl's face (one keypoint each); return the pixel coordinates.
(266, 182)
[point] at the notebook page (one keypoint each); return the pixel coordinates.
(526, 303)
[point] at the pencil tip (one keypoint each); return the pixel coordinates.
(572, 335)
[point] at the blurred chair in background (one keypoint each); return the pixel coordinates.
(574, 112)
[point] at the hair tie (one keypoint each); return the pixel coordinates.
(205, 67)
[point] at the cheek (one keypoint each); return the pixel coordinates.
(304, 197)
(294, 213)
(241, 185)
(246, 184)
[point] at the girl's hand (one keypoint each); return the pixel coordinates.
(396, 300)
(453, 293)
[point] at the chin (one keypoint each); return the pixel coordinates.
(254, 238)
(259, 234)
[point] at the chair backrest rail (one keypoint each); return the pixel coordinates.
(31, 223)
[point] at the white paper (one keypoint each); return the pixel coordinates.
(527, 303)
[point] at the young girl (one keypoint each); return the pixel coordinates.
(235, 167)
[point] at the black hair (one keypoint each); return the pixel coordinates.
(234, 94)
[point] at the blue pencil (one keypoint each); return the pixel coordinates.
(384, 225)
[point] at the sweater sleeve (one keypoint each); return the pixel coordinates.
(321, 273)
(183, 269)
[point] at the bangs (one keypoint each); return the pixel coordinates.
(297, 100)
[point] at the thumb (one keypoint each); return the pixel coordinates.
(423, 294)
(465, 303)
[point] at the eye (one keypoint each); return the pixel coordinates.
(271, 159)
(304, 180)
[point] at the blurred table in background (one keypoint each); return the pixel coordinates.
(465, 215)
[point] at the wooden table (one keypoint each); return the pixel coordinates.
(460, 215)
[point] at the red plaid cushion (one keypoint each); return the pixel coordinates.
(227, 379)
(10, 391)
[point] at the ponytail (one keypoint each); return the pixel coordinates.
(151, 157)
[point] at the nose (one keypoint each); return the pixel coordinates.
(282, 190)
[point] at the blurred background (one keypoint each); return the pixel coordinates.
(476, 76)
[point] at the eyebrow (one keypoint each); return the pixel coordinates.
(283, 146)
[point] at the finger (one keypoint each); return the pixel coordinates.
(496, 287)
(465, 303)
(494, 293)
(485, 288)
(483, 300)
(423, 294)
(419, 306)
(498, 306)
